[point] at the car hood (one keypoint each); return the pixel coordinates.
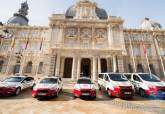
(85, 86)
(126, 83)
(158, 84)
(8, 84)
(46, 86)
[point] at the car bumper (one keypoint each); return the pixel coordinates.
(84, 93)
(44, 93)
(155, 93)
(4, 91)
(123, 93)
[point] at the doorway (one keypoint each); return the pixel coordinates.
(103, 65)
(85, 67)
(68, 68)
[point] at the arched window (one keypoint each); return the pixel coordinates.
(40, 68)
(17, 68)
(140, 68)
(29, 67)
(1, 65)
(152, 69)
(130, 68)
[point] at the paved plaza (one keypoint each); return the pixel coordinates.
(66, 104)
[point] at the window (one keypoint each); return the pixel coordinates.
(29, 79)
(136, 78)
(1, 65)
(130, 68)
(136, 51)
(29, 67)
(16, 69)
(106, 78)
(149, 51)
(152, 69)
(101, 76)
(140, 68)
(162, 51)
(40, 68)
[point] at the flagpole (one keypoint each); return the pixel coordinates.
(134, 64)
(9, 61)
(158, 50)
(145, 52)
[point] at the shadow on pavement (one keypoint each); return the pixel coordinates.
(23, 95)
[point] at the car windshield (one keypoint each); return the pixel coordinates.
(49, 81)
(118, 77)
(14, 79)
(149, 77)
(128, 76)
(84, 81)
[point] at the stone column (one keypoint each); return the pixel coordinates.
(99, 65)
(62, 67)
(78, 67)
(94, 78)
(114, 64)
(74, 69)
(58, 65)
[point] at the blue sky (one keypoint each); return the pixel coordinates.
(132, 11)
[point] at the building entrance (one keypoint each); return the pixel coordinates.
(86, 68)
(68, 68)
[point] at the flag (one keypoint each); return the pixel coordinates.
(27, 43)
(13, 43)
(144, 47)
(1, 39)
(41, 44)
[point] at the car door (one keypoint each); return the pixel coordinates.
(30, 81)
(136, 82)
(106, 81)
(24, 83)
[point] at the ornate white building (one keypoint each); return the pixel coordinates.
(83, 41)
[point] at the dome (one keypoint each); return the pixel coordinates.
(18, 20)
(149, 24)
(71, 12)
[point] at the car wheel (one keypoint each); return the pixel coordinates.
(57, 93)
(17, 91)
(99, 87)
(142, 93)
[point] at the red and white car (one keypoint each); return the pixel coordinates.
(48, 87)
(15, 84)
(147, 84)
(116, 85)
(84, 87)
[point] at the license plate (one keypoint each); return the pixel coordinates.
(127, 93)
(42, 94)
(86, 94)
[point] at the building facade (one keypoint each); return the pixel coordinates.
(84, 41)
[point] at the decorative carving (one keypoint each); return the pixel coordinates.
(71, 32)
(100, 33)
(86, 12)
(86, 33)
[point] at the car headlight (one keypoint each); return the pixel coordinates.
(116, 85)
(93, 88)
(151, 86)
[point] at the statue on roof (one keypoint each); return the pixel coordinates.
(24, 9)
